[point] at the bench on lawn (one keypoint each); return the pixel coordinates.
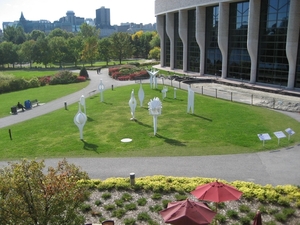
(34, 103)
(27, 105)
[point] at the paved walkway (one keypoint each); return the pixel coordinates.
(278, 167)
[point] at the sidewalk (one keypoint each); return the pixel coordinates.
(278, 167)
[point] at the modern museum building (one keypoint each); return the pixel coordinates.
(256, 41)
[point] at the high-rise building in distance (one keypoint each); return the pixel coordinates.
(103, 18)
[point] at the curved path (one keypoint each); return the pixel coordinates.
(278, 167)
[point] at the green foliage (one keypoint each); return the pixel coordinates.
(126, 197)
(85, 208)
(98, 202)
(106, 195)
(220, 218)
(144, 216)
(156, 196)
(165, 202)
(156, 208)
(284, 201)
(244, 208)
(232, 214)
(63, 77)
(131, 206)
(109, 207)
(29, 195)
(119, 213)
(129, 221)
(83, 72)
(142, 201)
(245, 220)
(180, 197)
(119, 202)
(270, 223)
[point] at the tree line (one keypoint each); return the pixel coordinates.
(60, 46)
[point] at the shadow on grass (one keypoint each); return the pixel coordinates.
(142, 124)
(171, 141)
(90, 147)
(89, 119)
(201, 117)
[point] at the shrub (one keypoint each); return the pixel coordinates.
(119, 213)
(245, 220)
(109, 207)
(106, 195)
(142, 201)
(98, 202)
(232, 214)
(34, 82)
(165, 203)
(220, 218)
(119, 202)
(126, 197)
(244, 208)
(144, 216)
(156, 196)
(81, 79)
(83, 72)
(44, 80)
(180, 197)
(63, 77)
(85, 208)
(155, 208)
(129, 221)
(131, 206)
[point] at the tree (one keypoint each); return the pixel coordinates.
(90, 50)
(87, 31)
(154, 53)
(15, 35)
(35, 34)
(145, 44)
(75, 47)
(41, 51)
(121, 45)
(104, 48)
(57, 32)
(29, 196)
(58, 49)
(26, 51)
(155, 41)
(9, 50)
(136, 42)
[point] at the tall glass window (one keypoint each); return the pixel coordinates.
(193, 47)
(213, 62)
(178, 64)
(167, 45)
(297, 78)
(239, 63)
(272, 61)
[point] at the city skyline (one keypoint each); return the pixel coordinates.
(132, 11)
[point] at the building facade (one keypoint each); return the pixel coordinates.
(256, 41)
(102, 18)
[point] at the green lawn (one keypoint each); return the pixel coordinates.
(30, 73)
(43, 94)
(216, 127)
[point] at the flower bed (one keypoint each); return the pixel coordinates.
(127, 72)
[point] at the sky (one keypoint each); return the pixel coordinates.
(121, 11)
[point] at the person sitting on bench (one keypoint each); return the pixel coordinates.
(20, 106)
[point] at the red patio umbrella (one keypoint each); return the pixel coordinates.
(257, 219)
(216, 192)
(187, 212)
